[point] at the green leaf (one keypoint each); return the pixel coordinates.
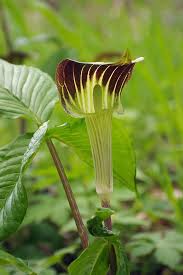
(13, 197)
(153, 237)
(12, 107)
(124, 160)
(95, 224)
(104, 213)
(7, 259)
(141, 248)
(26, 92)
(75, 135)
(168, 256)
(121, 258)
(34, 145)
(175, 240)
(167, 250)
(57, 257)
(94, 260)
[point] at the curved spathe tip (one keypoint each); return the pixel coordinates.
(139, 59)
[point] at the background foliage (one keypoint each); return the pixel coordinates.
(151, 225)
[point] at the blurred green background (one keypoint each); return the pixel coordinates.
(41, 34)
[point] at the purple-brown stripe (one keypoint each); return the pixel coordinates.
(108, 72)
(60, 75)
(70, 72)
(77, 74)
(126, 70)
(85, 74)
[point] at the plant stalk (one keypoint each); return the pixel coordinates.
(107, 222)
(112, 256)
(70, 196)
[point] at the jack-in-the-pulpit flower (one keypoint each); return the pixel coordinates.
(92, 91)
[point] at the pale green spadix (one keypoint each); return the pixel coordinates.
(92, 91)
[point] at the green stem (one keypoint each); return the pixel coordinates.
(70, 196)
(99, 128)
(108, 221)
